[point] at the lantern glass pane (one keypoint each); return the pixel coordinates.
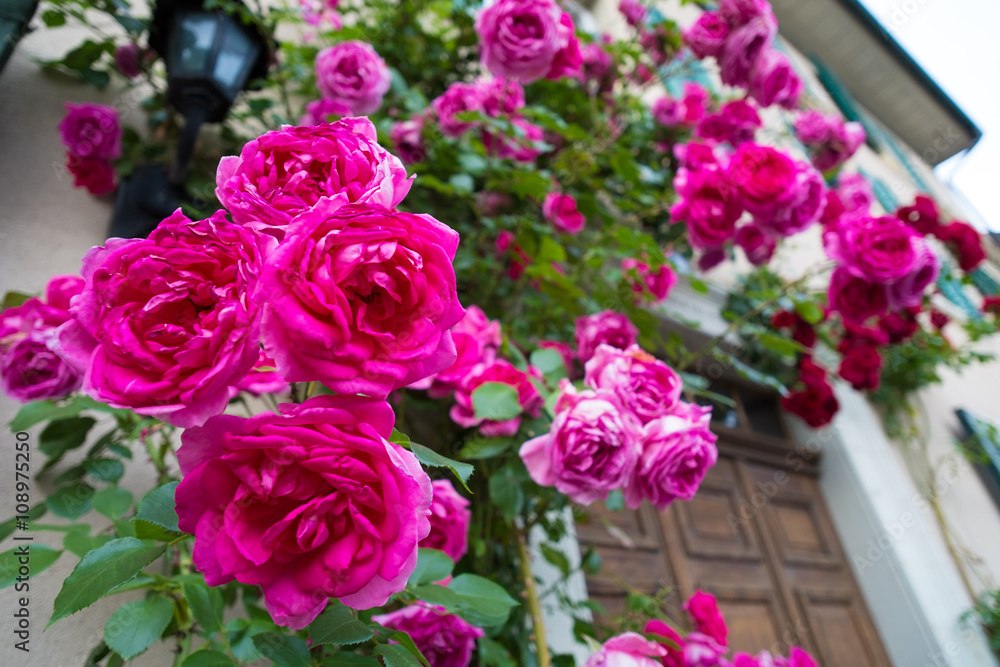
(236, 56)
(197, 35)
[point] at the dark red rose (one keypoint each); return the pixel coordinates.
(833, 210)
(804, 334)
(711, 258)
(97, 175)
(861, 366)
(816, 404)
(923, 216)
(964, 241)
(855, 298)
(783, 319)
(811, 373)
(858, 335)
(758, 247)
(991, 304)
(939, 319)
(900, 325)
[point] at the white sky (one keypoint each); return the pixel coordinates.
(956, 42)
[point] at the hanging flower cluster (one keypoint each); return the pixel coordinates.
(92, 136)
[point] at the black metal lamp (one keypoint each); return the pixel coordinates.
(211, 55)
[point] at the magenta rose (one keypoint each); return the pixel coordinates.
(353, 74)
(675, 453)
(528, 40)
(127, 60)
(696, 99)
(477, 339)
(361, 299)
(800, 658)
(923, 215)
(500, 96)
(643, 384)
(444, 639)
(263, 378)
(324, 111)
(449, 517)
(711, 258)
(668, 112)
(591, 447)
(91, 131)
(756, 245)
(633, 11)
(802, 205)
(813, 128)
(881, 250)
(709, 204)
(165, 325)
(909, 290)
(855, 192)
(408, 139)
(700, 650)
(308, 504)
(61, 290)
(598, 68)
(773, 80)
(561, 211)
(743, 47)
(707, 36)
(704, 611)
(96, 175)
(463, 412)
(627, 650)
(30, 371)
(740, 12)
(286, 172)
(458, 98)
(736, 122)
(767, 179)
(658, 283)
(608, 328)
(855, 298)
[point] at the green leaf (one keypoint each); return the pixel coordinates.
(698, 285)
(39, 411)
(506, 492)
(494, 654)
(12, 299)
(462, 183)
(432, 565)
(112, 502)
(809, 311)
(429, 457)
(342, 658)
(496, 401)
(284, 650)
(550, 363)
(53, 18)
(62, 435)
(399, 438)
(438, 595)
(484, 602)
(205, 602)
(71, 502)
(106, 470)
(80, 543)
(39, 557)
(338, 625)
(158, 508)
(8, 527)
(478, 448)
(556, 557)
(776, 343)
(145, 530)
(102, 571)
(207, 659)
(615, 501)
(136, 625)
(395, 655)
(406, 641)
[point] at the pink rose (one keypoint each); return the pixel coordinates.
(633, 11)
(353, 74)
(444, 639)
(799, 209)
(700, 650)
(909, 290)
(32, 316)
(774, 81)
(707, 36)
(165, 325)
(598, 69)
(799, 658)
(61, 290)
(696, 99)
(659, 283)
(321, 111)
(521, 147)
(463, 412)
(674, 649)
(627, 650)
(30, 371)
(591, 447)
(127, 60)
(458, 98)
(742, 48)
(561, 211)
(709, 204)
(608, 328)
(813, 128)
(704, 611)
(263, 378)
(96, 175)
(449, 517)
(880, 250)
(668, 112)
(477, 339)
(767, 179)
(711, 258)
(695, 156)
(91, 131)
(643, 384)
(736, 123)
(500, 97)
(740, 12)
(361, 299)
(527, 40)
(308, 504)
(855, 192)
(758, 246)
(408, 139)
(855, 298)
(286, 172)
(676, 452)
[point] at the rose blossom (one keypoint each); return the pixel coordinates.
(627, 650)
(696, 99)
(353, 74)
(591, 447)
(361, 299)
(813, 128)
(802, 207)
(30, 371)
(758, 247)
(520, 147)
(709, 204)
(320, 111)
(735, 123)
(459, 97)
(633, 11)
(700, 650)
(773, 80)
(923, 216)
(740, 12)
(676, 452)
(444, 639)
(643, 384)
(463, 412)
(909, 290)
(707, 36)
(500, 96)
(855, 298)
(900, 325)
(408, 140)
(704, 611)
(675, 649)
(449, 517)
(881, 250)
(569, 355)
(477, 339)
(528, 40)
(659, 282)
(668, 112)
(711, 258)
(598, 69)
(561, 211)
(91, 131)
(607, 327)
(309, 504)
(165, 325)
(855, 192)
(61, 289)
(767, 179)
(861, 367)
(127, 60)
(799, 658)
(263, 378)
(816, 404)
(742, 49)
(289, 171)
(964, 241)
(97, 176)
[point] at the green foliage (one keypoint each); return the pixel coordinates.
(134, 626)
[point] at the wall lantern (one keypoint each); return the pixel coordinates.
(210, 55)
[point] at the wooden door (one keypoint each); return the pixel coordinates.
(757, 536)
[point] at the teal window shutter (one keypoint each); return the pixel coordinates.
(14, 18)
(985, 441)
(882, 192)
(985, 283)
(951, 288)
